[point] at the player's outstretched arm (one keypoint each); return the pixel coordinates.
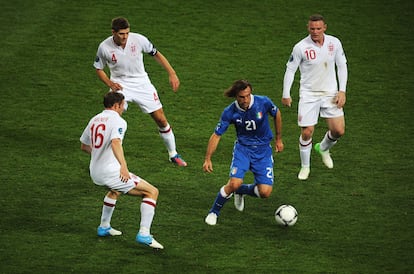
(211, 148)
(118, 151)
(287, 84)
(172, 75)
(279, 146)
(105, 79)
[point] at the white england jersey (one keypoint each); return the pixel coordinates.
(100, 131)
(317, 65)
(125, 63)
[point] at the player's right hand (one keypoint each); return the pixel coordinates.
(115, 86)
(208, 166)
(174, 82)
(124, 174)
(287, 102)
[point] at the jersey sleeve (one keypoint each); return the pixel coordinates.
(340, 58)
(99, 59)
(118, 130)
(294, 59)
(147, 46)
(224, 123)
(342, 69)
(85, 137)
(271, 107)
(291, 67)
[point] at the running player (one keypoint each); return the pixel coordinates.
(102, 138)
(252, 150)
(123, 54)
(316, 56)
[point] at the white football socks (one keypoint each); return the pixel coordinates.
(107, 211)
(305, 149)
(147, 215)
(328, 141)
(167, 135)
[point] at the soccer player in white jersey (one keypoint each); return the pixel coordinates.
(102, 138)
(317, 55)
(252, 150)
(123, 54)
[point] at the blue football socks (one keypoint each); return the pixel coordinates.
(218, 203)
(247, 190)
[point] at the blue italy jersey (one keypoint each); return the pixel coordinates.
(252, 125)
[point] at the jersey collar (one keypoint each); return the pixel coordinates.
(251, 103)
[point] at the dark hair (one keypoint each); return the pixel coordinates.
(111, 98)
(119, 23)
(237, 86)
(316, 17)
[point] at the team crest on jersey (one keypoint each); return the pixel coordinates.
(133, 49)
(331, 49)
(233, 170)
(291, 58)
(97, 59)
(120, 131)
(259, 115)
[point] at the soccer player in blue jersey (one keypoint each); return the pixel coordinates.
(252, 149)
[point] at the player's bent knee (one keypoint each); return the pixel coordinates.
(265, 194)
(338, 133)
(233, 186)
(265, 191)
(113, 194)
(154, 192)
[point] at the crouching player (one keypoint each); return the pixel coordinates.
(102, 138)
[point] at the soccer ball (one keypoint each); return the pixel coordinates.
(286, 215)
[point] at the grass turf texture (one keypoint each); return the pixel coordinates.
(356, 218)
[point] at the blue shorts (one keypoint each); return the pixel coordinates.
(257, 159)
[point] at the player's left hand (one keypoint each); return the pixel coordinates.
(208, 166)
(174, 82)
(340, 99)
(115, 86)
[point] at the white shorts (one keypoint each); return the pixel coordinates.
(118, 185)
(143, 94)
(310, 107)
